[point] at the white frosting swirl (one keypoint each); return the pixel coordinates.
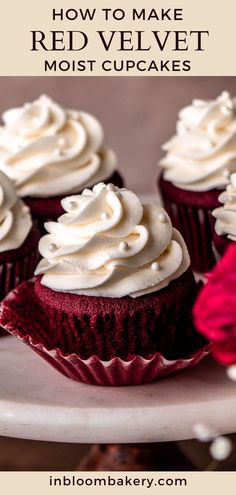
(226, 215)
(202, 154)
(109, 244)
(15, 219)
(49, 151)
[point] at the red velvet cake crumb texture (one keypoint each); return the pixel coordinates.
(124, 327)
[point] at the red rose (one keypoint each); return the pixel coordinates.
(215, 308)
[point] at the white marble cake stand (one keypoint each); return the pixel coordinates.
(36, 402)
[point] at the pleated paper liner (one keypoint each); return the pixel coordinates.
(115, 372)
(13, 273)
(194, 221)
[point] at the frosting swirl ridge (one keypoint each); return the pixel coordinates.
(226, 215)
(202, 154)
(47, 150)
(108, 244)
(15, 219)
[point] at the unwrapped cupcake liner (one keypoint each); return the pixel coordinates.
(114, 372)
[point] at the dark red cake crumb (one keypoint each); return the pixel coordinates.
(124, 327)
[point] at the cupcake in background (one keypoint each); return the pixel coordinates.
(225, 226)
(198, 163)
(18, 239)
(50, 152)
(113, 293)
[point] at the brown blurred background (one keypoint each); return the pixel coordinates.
(138, 115)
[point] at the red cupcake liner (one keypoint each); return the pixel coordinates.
(196, 224)
(196, 227)
(115, 372)
(22, 266)
(12, 274)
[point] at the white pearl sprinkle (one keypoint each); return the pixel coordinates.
(162, 217)
(124, 245)
(110, 187)
(72, 205)
(230, 188)
(231, 372)
(155, 266)
(105, 215)
(203, 433)
(221, 448)
(52, 247)
(61, 141)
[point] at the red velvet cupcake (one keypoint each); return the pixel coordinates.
(191, 214)
(50, 152)
(50, 208)
(225, 225)
(113, 293)
(18, 240)
(196, 167)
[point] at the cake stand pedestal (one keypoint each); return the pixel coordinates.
(36, 402)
